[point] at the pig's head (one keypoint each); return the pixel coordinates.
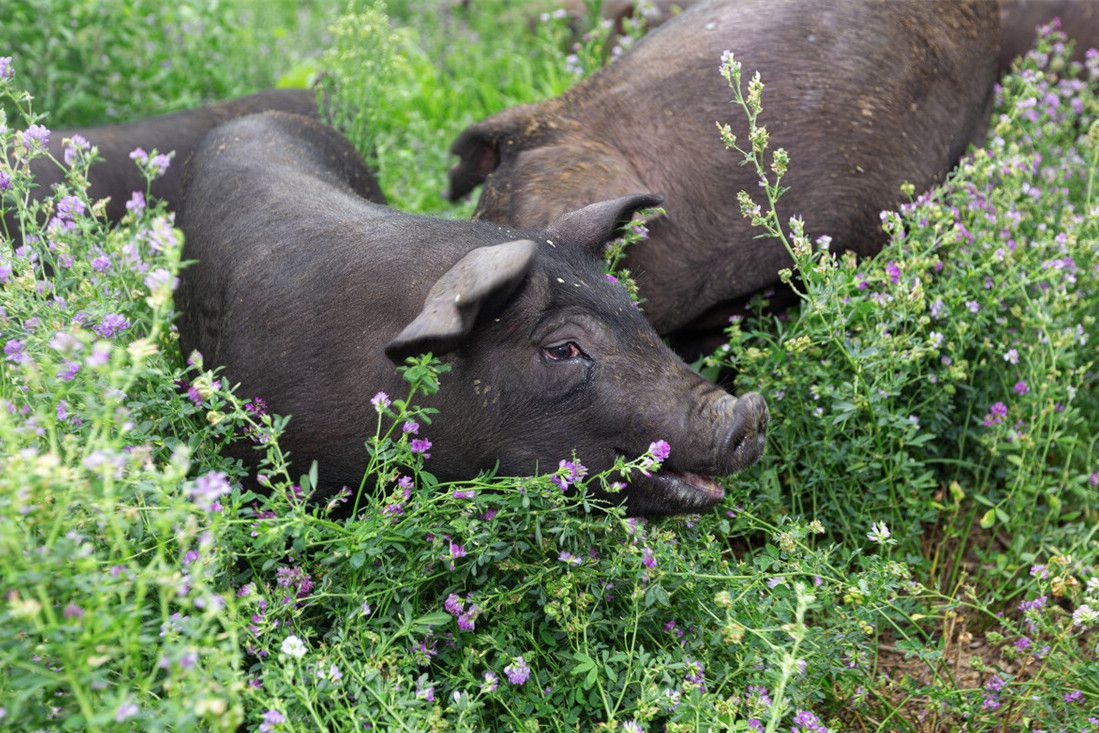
(550, 356)
(536, 164)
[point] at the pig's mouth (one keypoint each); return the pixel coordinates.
(671, 492)
(687, 492)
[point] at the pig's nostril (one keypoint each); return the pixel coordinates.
(763, 416)
(749, 423)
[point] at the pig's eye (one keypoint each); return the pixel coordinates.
(561, 352)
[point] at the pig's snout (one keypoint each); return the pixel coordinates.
(747, 433)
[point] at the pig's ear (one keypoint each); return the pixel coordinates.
(452, 304)
(598, 223)
(479, 149)
(617, 11)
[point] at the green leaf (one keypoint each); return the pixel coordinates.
(988, 519)
(436, 618)
(313, 475)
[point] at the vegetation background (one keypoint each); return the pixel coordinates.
(917, 550)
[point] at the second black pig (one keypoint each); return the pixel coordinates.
(864, 96)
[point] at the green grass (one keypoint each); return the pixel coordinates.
(89, 62)
(129, 599)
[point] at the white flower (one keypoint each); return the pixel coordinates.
(878, 533)
(292, 646)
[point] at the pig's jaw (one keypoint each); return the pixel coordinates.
(673, 492)
(689, 488)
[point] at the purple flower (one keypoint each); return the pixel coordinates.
(6, 72)
(411, 427)
(70, 207)
(453, 604)
(101, 263)
(806, 722)
(296, 578)
(207, 489)
(159, 278)
(425, 693)
(468, 620)
(139, 155)
(380, 401)
(568, 558)
(161, 162)
(860, 281)
(518, 672)
(660, 450)
(893, 272)
(1036, 605)
(757, 696)
(696, 675)
(5, 182)
(112, 324)
(271, 718)
(1011, 356)
(1022, 644)
(125, 711)
(1021, 388)
(973, 306)
(13, 349)
(1074, 696)
(76, 144)
(647, 557)
(420, 445)
(36, 133)
(492, 681)
(136, 204)
(632, 726)
(568, 473)
(465, 494)
(73, 611)
(68, 371)
(996, 414)
(457, 551)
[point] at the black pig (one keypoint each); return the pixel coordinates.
(863, 95)
(303, 287)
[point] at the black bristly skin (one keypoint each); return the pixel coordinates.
(302, 287)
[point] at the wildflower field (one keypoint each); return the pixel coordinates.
(918, 550)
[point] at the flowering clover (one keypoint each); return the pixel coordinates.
(518, 672)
